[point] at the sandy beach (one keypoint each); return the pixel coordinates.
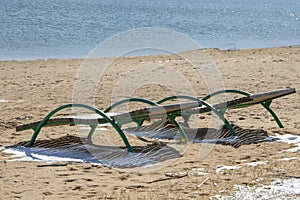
(31, 89)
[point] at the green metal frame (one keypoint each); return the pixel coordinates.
(172, 116)
(140, 122)
(265, 104)
(93, 127)
(177, 97)
(130, 100)
(217, 112)
(139, 119)
(225, 91)
(123, 101)
(184, 116)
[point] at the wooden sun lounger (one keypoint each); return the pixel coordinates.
(158, 111)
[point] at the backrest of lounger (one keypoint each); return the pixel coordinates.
(263, 97)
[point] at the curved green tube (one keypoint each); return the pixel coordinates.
(102, 114)
(266, 105)
(177, 97)
(219, 114)
(225, 91)
(130, 100)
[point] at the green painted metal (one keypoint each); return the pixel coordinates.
(184, 116)
(89, 138)
(225, 91)
(130, 100)
(265, 104)
(140, 121)
(177, 97)
(123, 101)
(102, 114)
(268, 103)
(220, 114)
(172, 118)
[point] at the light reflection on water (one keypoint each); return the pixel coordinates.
(71, 28)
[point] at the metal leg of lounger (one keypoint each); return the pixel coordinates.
(265, 104)
(186, 119)
(89, 138)
(123, 101)
(219, 113)
(172, 117)
(184, 116)
(37, 129)
(139, 124)
(102, 114)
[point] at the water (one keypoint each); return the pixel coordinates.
(32, 29)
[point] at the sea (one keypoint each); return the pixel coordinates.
(43, 29)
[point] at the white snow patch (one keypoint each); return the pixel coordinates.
(200, 173)
(4, 101)
(171, 60)
(254, 164)
(290, 139)
(278, 189)
(198, 169)
(221, 168)
(9, 101)
(287, 159)
(21, 156)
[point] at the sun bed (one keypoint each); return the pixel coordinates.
(157, 111)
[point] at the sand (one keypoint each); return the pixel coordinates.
(31, 89)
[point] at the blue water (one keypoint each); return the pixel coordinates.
(31, 29)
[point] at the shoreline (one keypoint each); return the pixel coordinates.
(151, 55)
